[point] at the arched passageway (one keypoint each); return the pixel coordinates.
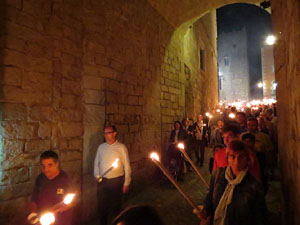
(69, 67)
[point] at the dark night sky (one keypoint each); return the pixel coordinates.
(258, 25)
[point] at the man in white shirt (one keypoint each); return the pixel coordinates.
(113, 184)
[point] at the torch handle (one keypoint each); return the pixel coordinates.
(194, 167)
(171, 178)
(107, 171)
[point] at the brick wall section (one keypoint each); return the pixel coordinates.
(204, 82)
(70, 67)
(286, 25)
(41, 94)
(186, 94)
(172, 92)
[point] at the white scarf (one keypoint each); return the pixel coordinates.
(221, 211)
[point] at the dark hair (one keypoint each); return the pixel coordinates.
(178, 123)
(138, 215)
(252, 119)
(218, 146)
(233, 128)
(183, 120)
(238, 146)
(248, 136)
(49, 154)
(241, 113)
(113, 127)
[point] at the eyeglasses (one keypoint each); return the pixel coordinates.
(239, 157)
(109, 132)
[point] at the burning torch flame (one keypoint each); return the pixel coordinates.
(47, 219)
(69, 198)
(115, 163)
(231, 115)
(180, 145)
(154, 156)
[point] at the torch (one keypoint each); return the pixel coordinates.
(114, 165)
(48, 217)
(181, 148)
(231, 115)
(155, 159)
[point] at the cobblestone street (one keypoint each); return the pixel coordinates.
(175, 210)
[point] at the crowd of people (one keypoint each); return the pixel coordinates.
(244, 145)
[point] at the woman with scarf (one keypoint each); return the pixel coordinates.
(235, 197)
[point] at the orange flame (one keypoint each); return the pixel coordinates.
(180, 145)
(115, 163)
(155, 156)
(69, 198)
(47, 218)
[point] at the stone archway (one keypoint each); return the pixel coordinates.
(67, 67)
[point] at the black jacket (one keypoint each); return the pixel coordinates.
(248, 204)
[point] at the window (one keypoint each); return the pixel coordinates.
(226, 61)
(221, 83)
(202, 59)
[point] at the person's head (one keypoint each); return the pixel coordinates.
(237, 156)
(230, 133)
(177, 125)
(249, 140)
(233, 109)
(220, 124)
(269, 113)
(261, 122)
(241, 118)
(110, 133)
(50, 164)
(199, 118)
(218, 147)
(138, 215)
(185, 122)
(252, 124)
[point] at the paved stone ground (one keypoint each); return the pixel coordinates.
(175, 210)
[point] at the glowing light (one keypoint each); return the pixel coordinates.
(210, 116)
(115, 163)
(218, 110)
(260, 85)
(180, 145)
(207, 114)
(69, 198)
(270, 40)
(231, 115)
(154, 156)
(47, 219)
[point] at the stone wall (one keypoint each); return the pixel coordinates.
(186, 89)
(70, 67)
(268, 71)
(41, 94)
(286, 25)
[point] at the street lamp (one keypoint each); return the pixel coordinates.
(270, 40)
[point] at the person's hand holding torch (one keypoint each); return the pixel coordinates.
(114, 165)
